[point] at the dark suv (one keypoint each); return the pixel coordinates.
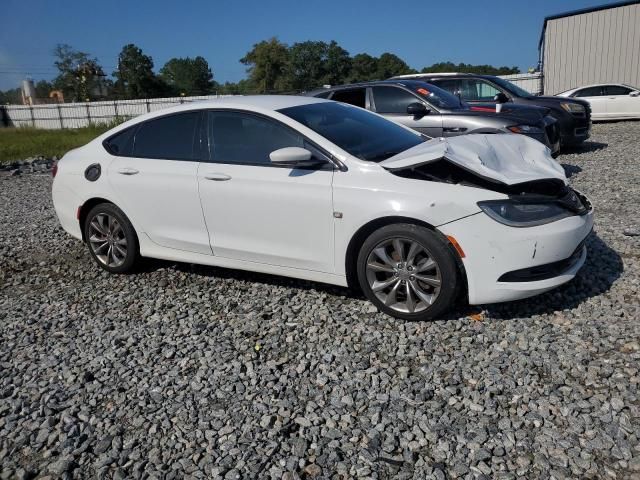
(437, 113)
(573, 115)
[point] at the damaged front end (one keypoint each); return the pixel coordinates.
(534, 183)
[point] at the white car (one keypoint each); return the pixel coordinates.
(324, 191)
(611, 101)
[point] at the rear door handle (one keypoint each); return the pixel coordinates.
(218, 177)
(454, 129)
(128, 171)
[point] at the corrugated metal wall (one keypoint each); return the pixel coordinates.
(595, 47)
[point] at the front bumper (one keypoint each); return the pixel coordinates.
(493, 252)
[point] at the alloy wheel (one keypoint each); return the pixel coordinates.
(107, 240)
(403, 275)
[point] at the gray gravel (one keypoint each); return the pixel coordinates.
(183, 371)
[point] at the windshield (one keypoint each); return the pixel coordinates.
(363, 134)
(512, 88)
(439, 98)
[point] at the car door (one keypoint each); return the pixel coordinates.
(256, 211)
(619, 102)
(154, 175)
(598, 102)
(392, 102)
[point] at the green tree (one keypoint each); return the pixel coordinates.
(468, 68)
(306, 67)
(390, 65)
(80, 75)
(364, 67)
(188, 76)
(135, 77)
(43, 88)
(267, 63)
(337, 65)
(12, 96)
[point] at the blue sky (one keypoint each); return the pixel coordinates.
(499, 32)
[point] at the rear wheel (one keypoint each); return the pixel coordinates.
(111, 238)
(408, 272)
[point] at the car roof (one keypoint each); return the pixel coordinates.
(267, 102)
(432, 74)
(393, 81)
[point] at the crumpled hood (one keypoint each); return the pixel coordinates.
(506, 158)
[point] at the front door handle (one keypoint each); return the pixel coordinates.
(128, 171)
(218, 177)
(454, 129)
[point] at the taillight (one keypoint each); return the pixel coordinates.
(54, 169)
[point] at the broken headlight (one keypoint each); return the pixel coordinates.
(522, 214)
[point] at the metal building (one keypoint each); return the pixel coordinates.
(592, 45)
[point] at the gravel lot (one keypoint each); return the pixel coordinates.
(183, 371)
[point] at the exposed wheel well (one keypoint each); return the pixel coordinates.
(363, 232)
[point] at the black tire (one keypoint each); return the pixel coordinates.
(122, 230)
(435, 250)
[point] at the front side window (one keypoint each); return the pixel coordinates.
(392, 99)
(171, 137)
(616, 90)
(589, 92)
(361, 133)
(242, 138)
(476, 90)
(355, 96)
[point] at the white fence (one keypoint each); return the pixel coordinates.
(76, 115)
(531, 82)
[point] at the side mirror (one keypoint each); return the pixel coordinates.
(634, 94)
(500, 98)
(291, 156)
(417, 110)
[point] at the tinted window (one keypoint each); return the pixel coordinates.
(616, 90)
(121, 143)
(392, 99)
(438, 97)
(355, 97)
(589, 92)
(247, 139)
(170, 137)
(324, 94)
(476, 90)
(359, 132)
(450, 86)
(512, 88)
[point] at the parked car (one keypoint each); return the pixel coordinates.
(437, 113)
(611, 101)
(325, 191)
(573, 115)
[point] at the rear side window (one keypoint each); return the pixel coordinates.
(324, 94)
(242, 138)
(171, 137)
(121, 143)
(616, 90)
(356, 96)
(392, 99)
(589, 92)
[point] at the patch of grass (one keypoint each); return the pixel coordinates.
(21, 143)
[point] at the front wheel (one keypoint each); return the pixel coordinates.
(408, 272)
(111, 238)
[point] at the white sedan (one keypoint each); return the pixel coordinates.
(324, 191)
(611, 101)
